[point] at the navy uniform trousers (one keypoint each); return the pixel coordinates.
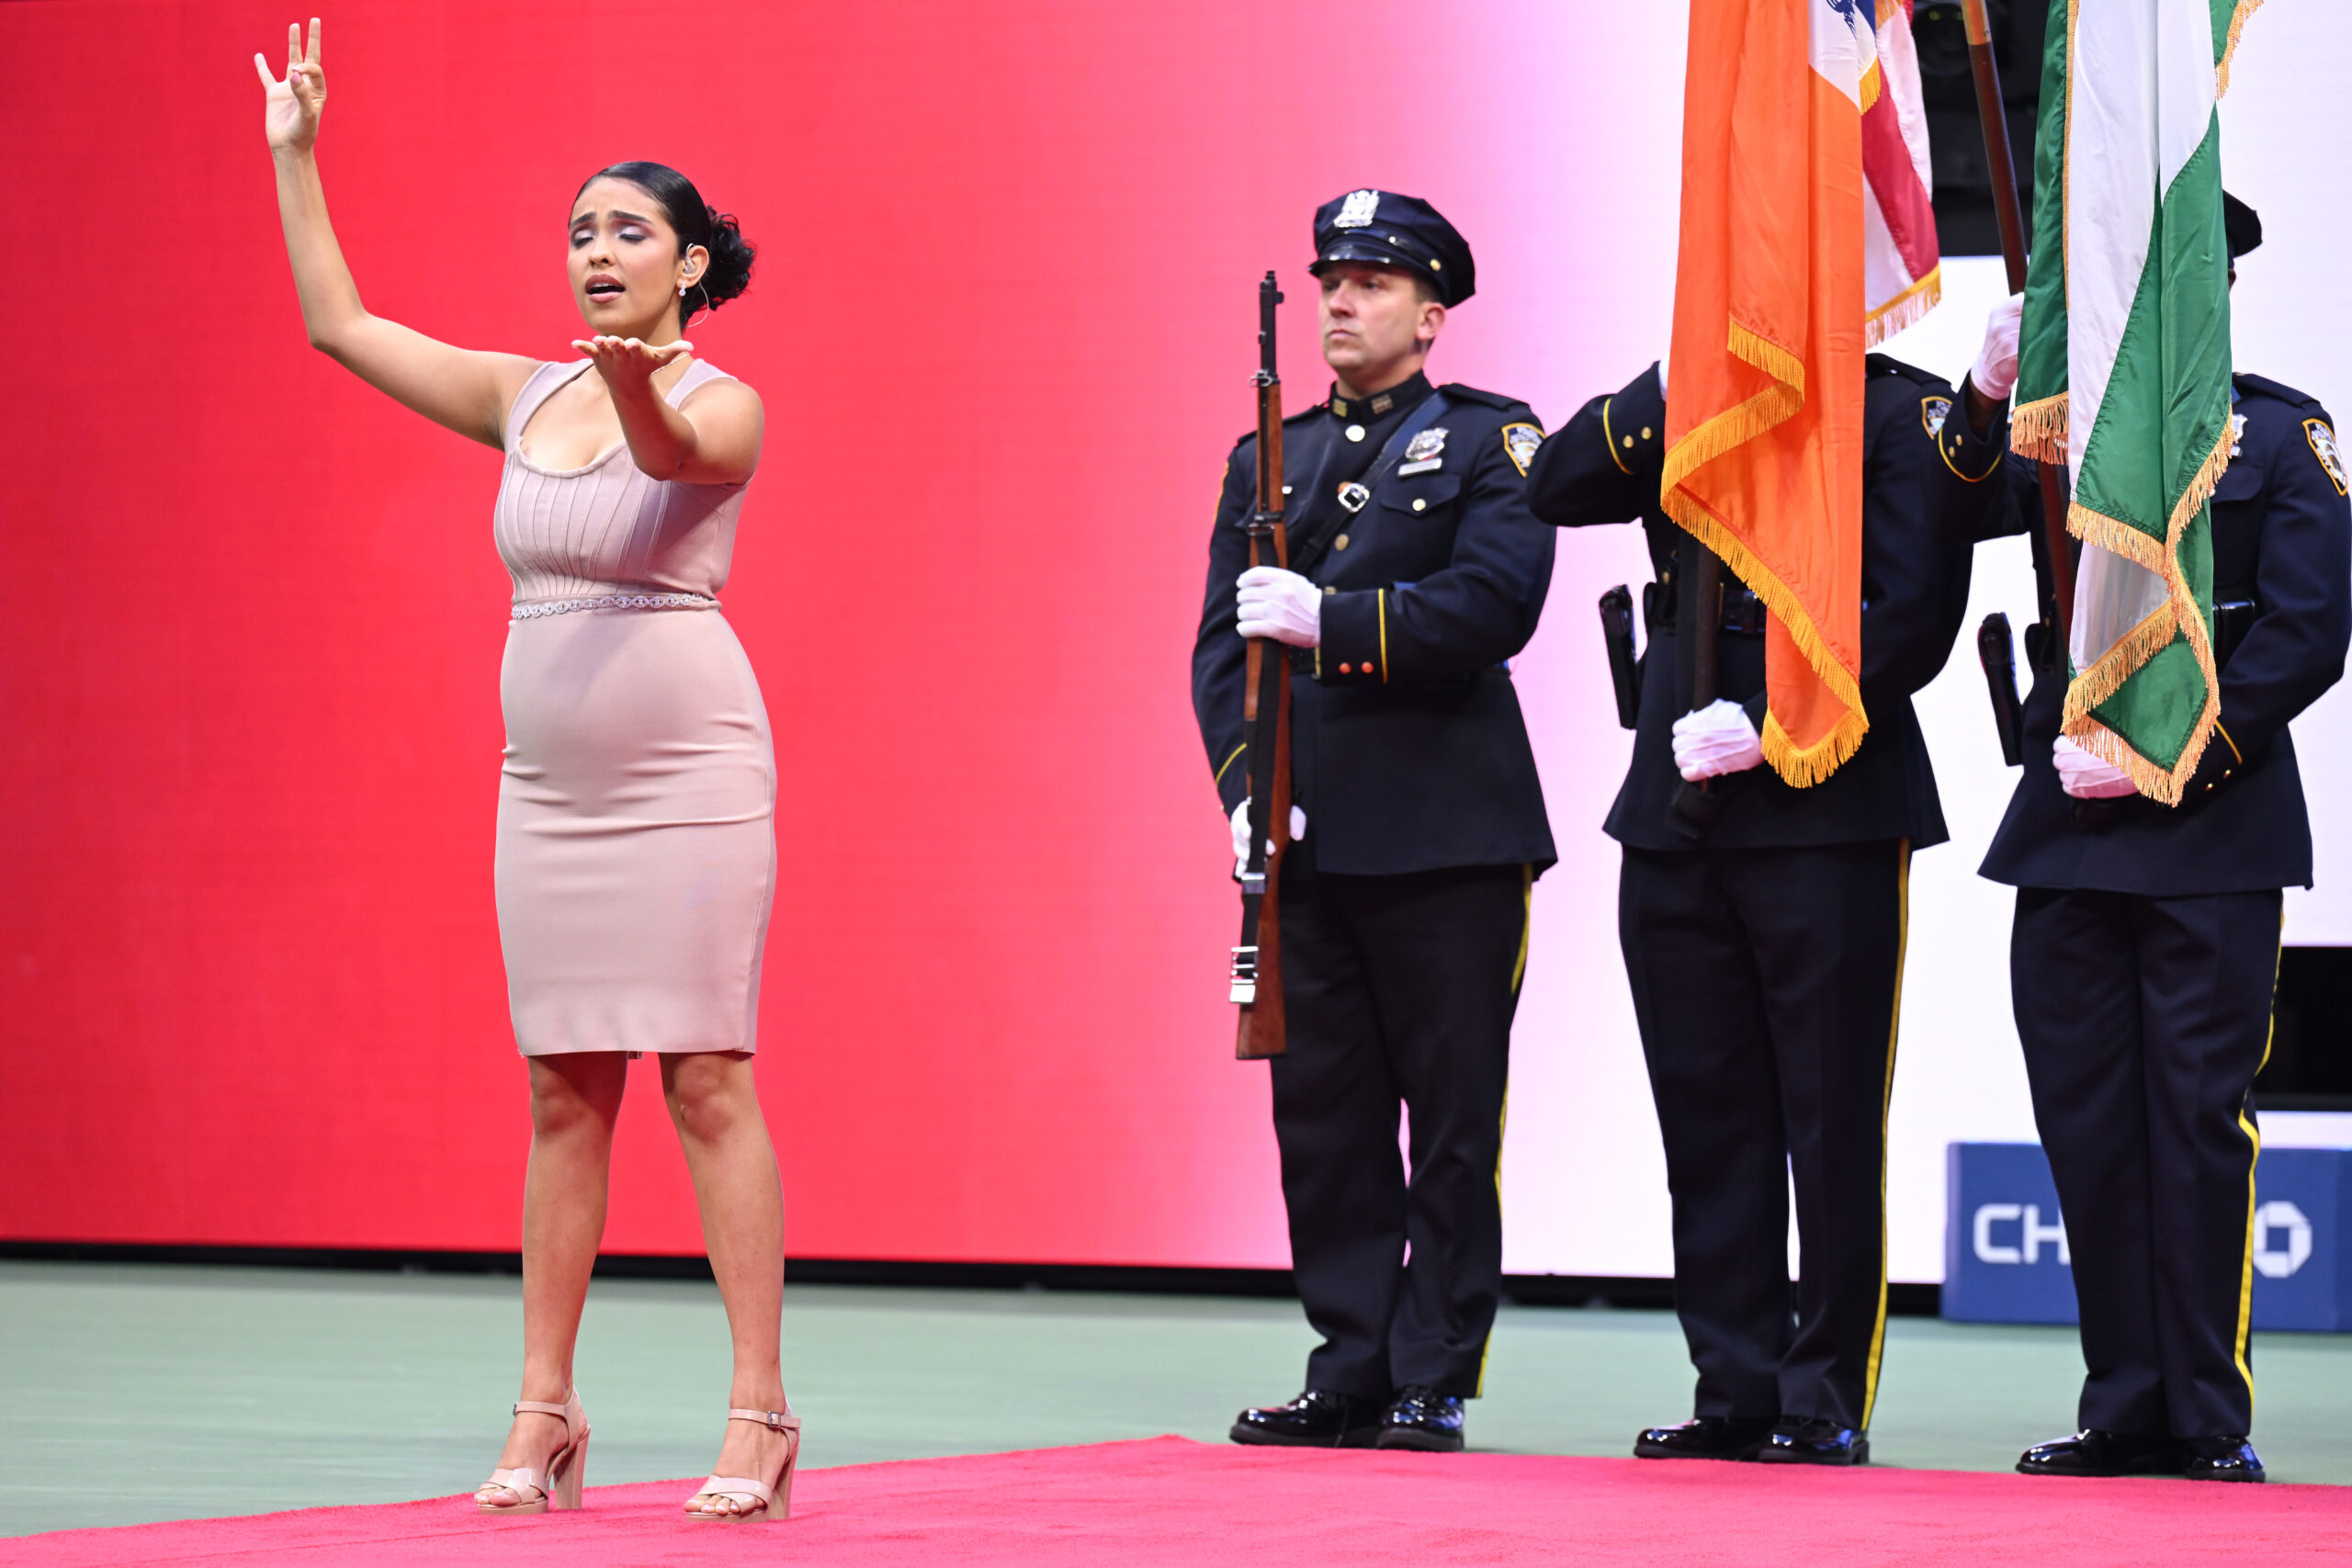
(1767, 983)
(2145, 1021)
(1766, 962)
(2145, 950)
(1398, 989)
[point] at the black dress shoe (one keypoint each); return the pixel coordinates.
(1316, 1419)
(2229, 1458)
(1814, 1441)
(2094, 1452)
(1422, 1418)
(1706, 1436)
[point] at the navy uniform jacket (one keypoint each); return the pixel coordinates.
(2282, 540)
(1605, 467)
(1407, 751)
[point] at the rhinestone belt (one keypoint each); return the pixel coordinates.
(532, 612)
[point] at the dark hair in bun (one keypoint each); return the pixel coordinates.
(697, 223)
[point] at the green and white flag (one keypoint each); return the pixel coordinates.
(2124, 362)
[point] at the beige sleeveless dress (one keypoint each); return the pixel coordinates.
(636, 810)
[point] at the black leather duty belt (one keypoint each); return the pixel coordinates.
(1743, 612)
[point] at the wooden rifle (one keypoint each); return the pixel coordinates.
(2055, 560)
(1265, 734)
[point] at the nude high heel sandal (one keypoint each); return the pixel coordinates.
(556, 1483)
(755, 1500)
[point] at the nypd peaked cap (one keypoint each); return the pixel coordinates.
(2242, 224)
(1384, 229)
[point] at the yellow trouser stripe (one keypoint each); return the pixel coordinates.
(2254, 1137)
(1886, 1105)
(1518, 974)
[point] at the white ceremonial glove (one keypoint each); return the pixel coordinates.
(1995, 370)
(1241, 833)
(1282, 605)
(2086, 777)
(1717, 738)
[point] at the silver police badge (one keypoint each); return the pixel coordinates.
(1357, 209)
(1933, 412)
(2321, 435)
(1426, 445)
(2237, 433)
(1520, 442)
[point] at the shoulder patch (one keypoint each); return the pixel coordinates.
(2321, 435)
(1933, 411)
(1462, 394)
(1520, 442)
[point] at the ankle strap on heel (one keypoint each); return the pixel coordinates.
(540, 1407)
(775, 1420)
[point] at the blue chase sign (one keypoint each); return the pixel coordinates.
(2005, 1258)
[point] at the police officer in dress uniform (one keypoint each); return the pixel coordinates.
(1415, 575)
(1765, 952)
(2144, 952)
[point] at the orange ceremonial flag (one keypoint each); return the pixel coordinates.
(1764, 385)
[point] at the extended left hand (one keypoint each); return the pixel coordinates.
(627, 364)
(1715, 739)
(1280, 604)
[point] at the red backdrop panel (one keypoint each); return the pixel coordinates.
(251, 624)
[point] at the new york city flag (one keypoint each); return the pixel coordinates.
(1764, 384)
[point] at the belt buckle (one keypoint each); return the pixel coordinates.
(1353, 497)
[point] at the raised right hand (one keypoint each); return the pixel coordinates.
(290, 109)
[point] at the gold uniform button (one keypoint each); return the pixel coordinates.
(1421, 504)
(1646, 433)
(1354, 432)
(1629, 442)
(1341, 543)
(1326, 591)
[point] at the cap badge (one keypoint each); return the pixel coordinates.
(1520, 442)
(1353, 496)
(1357, 209)
(1426, 445)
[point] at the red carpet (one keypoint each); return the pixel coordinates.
(1171, 1501)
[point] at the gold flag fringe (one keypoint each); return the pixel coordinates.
(1906, 309)
(2038, 430)
(1803, 767)
(1734, 427)
(2246, 8)
(2178, 614)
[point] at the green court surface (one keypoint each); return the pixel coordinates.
(134, 1392)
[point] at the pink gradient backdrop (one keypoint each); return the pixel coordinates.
(249, 638)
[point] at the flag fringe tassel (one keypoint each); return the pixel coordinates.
(2177, 615)
(2246, 8)
(2038, 430)
(1800, 766)
(1906, 309)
